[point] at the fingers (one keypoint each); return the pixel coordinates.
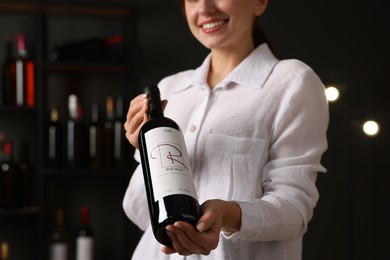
(168, 250)
(136, 117)
(186, 240)
(177, 237)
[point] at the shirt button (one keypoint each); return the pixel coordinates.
(192, 128)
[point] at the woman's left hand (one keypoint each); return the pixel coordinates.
(202, 239)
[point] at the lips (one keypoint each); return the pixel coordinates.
(213, 25)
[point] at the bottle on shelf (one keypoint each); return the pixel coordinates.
(75, 135)
(119, 134)
(85, 237)
(108, 134)
(25, 172)
(168, 177)
(6, 80)
(54, 140)
(23, 74)
(58, 239)
(2, 180)
(95, 138)
(9, 178)
(91, 49)
(4, 251)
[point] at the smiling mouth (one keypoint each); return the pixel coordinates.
(210, 26)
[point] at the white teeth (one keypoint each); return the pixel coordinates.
(212, 25)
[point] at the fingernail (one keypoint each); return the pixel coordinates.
(177, 224)
(169, 228)
(201, 226)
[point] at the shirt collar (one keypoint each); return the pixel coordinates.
(252, 72)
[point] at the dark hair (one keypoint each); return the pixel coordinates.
(258, 34)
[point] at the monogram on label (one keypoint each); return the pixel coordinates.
(170, 156)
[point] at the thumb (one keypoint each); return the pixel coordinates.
(164, 103)
(201, 226)
(204, 222)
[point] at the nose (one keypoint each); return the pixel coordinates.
(207, 7)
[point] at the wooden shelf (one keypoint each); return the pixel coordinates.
(71, 173)
(30, 210)
(67, 10)
(24, 8)
(79, 67)
(86, 10)
(16, 109)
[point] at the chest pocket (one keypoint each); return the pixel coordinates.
(233, 166)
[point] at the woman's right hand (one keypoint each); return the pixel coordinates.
(137, 116)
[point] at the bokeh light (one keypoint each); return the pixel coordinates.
(332, 93)
(371, 128)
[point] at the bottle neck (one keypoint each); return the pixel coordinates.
(156, 114)
(7, 151)
(4, 248)
(109, 109)
(60, 218)
(114, 40)
(72, 107)
(95, 113)
(84, 216)
(155, 108)
(9, 49)
(119, 108)
(54, 115)
(22, 52)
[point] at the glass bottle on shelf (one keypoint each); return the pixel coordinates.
(4, 251)
(75, 136)
(84, 237)
(6, 80)
(9, 178)
(25, 173)
(119, 134)
(23, 74)
(108, 134)
(58, 240)
(2, 180)
(90, 49)
(95, 138)
(54, 140)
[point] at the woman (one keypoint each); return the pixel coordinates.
(255, 129)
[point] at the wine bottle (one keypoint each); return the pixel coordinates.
(23, 72)
(84, 238)
(6, 80)
(75, 143)
(2, 179)
(95, 138)
(58, 240)
(168, 177)
(54, 141)
(94, 49)
(4, 251)
(119, 134)
(108, 134)
(9, 178)
(25, 173)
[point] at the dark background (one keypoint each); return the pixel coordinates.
(346, 43)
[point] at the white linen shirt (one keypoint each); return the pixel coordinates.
(257, 138)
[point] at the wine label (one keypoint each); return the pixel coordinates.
(84, 248)
(169, 164)
(59, 251)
